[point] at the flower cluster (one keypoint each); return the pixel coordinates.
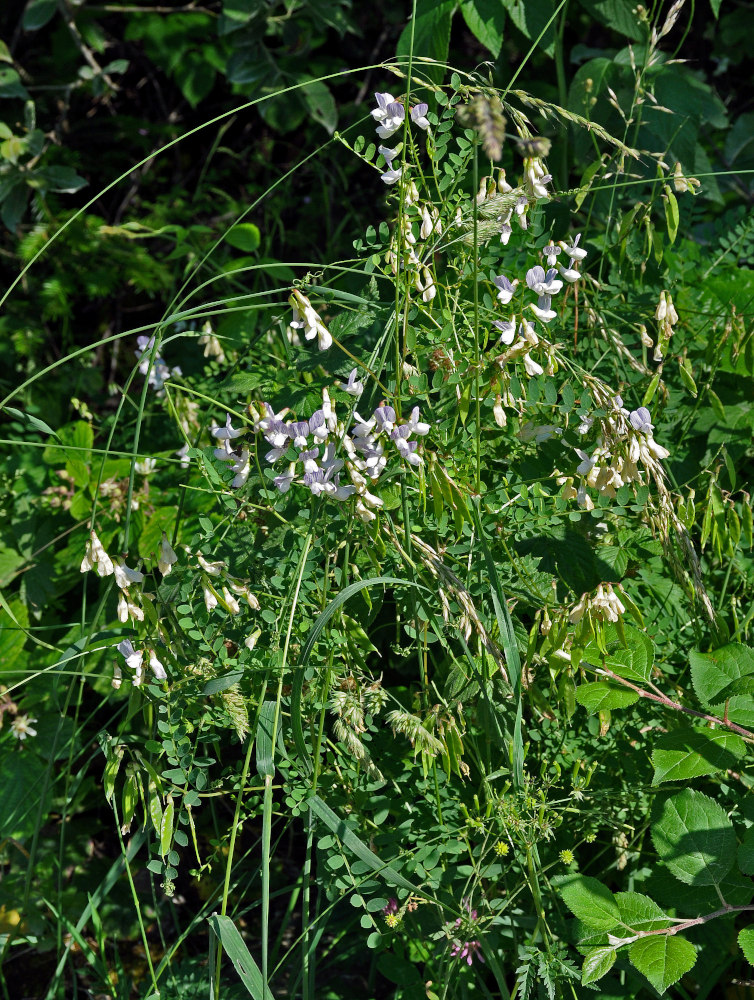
(605, 606)
(317, 464)
(152, 365)
(95, 557)
(463, 946)
(625, 447)
(390, 115)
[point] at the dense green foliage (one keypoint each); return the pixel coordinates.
(376, 555)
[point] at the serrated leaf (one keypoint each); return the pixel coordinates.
(640, 913)
(597, 963)
(599, 696)
(694, 837)
(663, 960)
(632, 659)
(431, 35)
(589, 900)
(712, 672)
(691, 752)
(746, 943)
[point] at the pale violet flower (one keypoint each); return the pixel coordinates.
(134, 659)
(506, 289)
(157, 371)
(183, 454)
(551, 252)
(543, 282)
(241, 467)
(283, 482)
(587, 463)
(353, 387)
(389, 115)
(419, 116)
(569, 273)
(641, 420)
(391, 176)
(414, 425)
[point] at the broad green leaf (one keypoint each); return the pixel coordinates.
(694, 900)
(640, 913)
(600, 695)
(222, 683)
(25, 792)
(711, 673)
(632, 659)
(266, 740)
(237, 951)
(662, 959)
(746, 943)
(589, 900)
(38, 13)
(597, 963)
(321, 104)
(691, 752)
(485, 20)
(13, 621)
(694, 837)
(746, 852)
(431, 32)
(618, 15)
(534, 19)
(244, 236)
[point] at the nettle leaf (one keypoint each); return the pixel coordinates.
(663, 960)
(601, 695)
(485, 20)
(746, 852)
(633, 659)
(640, 913)
(691, 752)
(598, 962)
(712, 673)
(589, 900)
(746, 943)
(694, 837)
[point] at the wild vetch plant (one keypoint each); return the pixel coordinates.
(400, 604)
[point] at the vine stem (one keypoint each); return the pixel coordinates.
(662, 699)
(684, 925)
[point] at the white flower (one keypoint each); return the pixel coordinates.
(507, 330)
(353, 387)
(231, 603)
(157, 668)
(388, 155)
(305, 317)
(117, 677)
(251, 640)
(210, 598)
(124, 576)
(241, 466)
(133, 657)
(427, 223)
(587, 463)
(126, 609)
(214, 569)
(95, 556)
(227, 432)
(146, 466)
(414, 425)
(283, 482)
(551, 252)
(542, 309)
(182, 453)
(418, 116)
(21, 727)
(392, 175)
(167, 556)
(531, 366)
(573, 250)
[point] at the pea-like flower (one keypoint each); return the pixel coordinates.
(353, 387)
(167, 556)
(389, 115)
(419, 116)
(641, 420)
(543, 282)
(96, 557)
(506, 288)
(305, 317)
